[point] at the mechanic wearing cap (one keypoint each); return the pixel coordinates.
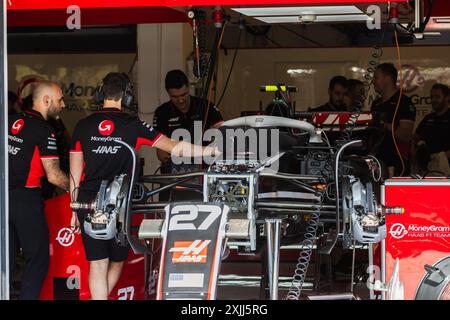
(181, 112)
(95, 156)
(32, 154)
(383, 110)
(432, 136)
(336, 91)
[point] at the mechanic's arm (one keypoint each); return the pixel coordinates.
(183, 148)
(418, 141)
(404, 132)
(76, 170)
(418, 138)
(54, 173)
(160, 124)
(162, 155)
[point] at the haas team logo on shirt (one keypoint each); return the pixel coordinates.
(17, 126)
(106, 127)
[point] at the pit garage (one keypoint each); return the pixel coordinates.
(330, 174)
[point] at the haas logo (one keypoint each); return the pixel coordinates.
(106, 127)
(190, 251)
(65, 237)
(106, 150)
(412, 79)
(398, 231)
(17, 126)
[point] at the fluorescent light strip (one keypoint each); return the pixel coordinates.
(349, 17)
(282, 19)
(284, 11)
(331, 18)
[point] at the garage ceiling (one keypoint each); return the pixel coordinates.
(103, 12)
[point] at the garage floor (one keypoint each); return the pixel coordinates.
(242, 280)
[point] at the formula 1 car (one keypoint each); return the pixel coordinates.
(247, 201)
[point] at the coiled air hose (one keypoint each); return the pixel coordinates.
(304, 258)
(367, 82)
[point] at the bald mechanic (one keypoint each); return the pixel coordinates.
(95, 157)
(32, 154)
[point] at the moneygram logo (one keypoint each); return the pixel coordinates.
(65, 237)
(106, 127)
(398, 231)
(190, 251)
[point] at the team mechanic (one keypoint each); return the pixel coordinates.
(384, 110)
(181, 112)
(33, 153)
(95, 157)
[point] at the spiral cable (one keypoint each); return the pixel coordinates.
(367, 82)
(350, 125)
(304, 258)
(201, 36)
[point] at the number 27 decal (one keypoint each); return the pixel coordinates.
(182, 216)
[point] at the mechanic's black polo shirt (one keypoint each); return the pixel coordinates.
(383, 112)
(94, 136)
(30, 139)
(435, 130)
(168, 118)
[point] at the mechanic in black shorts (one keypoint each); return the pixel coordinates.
(33, 153)
(95, 157)
(383, 110)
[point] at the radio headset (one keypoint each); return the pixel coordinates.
(127, 97)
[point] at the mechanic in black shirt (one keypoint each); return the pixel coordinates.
(433, 132)
(62, 143)
(32, 154)
(95, 156)
(181, 112)
(336, 91)
(383, 109)
(355, 96)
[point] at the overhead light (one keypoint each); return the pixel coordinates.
(298, 72)
(348, 17)
(296, 11)
(280, 19)
(331, 18)
(307, 18)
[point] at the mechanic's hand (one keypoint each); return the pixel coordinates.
(163, 156)
(75, 224)
(211, 151)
